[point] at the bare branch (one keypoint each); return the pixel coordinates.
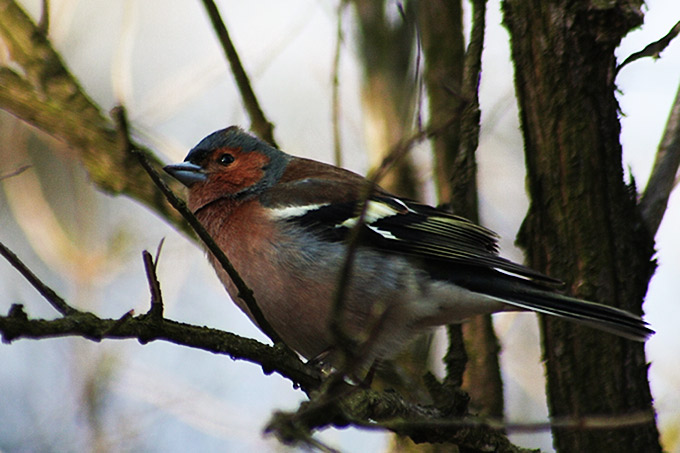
(158, 251)
(479, 336)
(156, 310)
(473, 55)
(346, 344)
(654, 49)
(591, 422)
(664, 173)
(16, 172)
(335, 84)
(145, 329)
(355, 405)
(44, 23)
(259, 123)
(50, 295)
(370, 409)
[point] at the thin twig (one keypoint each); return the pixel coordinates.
(245, 293)
(156, 310)
(335, 84)
(397, 152)
(654, 199)
(348, 345)
(52, 297)
(457, 358)
(44, 23)
(158, 251)
(16, 172)
(473, 55)
(592, 422)
(341, 339)
(259, 122)
(400, 149)
(654, 49)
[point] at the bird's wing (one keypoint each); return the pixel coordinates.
(331, 208)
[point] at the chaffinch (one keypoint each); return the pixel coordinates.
(284, 221)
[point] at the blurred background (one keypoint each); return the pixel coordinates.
(165, 65)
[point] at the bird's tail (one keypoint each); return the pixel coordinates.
(525, 294)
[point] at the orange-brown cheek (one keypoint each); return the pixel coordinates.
(245, 172)
(250, 168)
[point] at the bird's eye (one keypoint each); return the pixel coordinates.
(225, 159)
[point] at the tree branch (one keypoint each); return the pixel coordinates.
(370, 409)
(145, 328)
(483, 375)
(16, 172)
(52, 297)
(335, 84)
(42, 92)
(156, 309)
(353, 351)
(664, 173)
(654, 49)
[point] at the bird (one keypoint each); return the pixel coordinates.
(285, 223)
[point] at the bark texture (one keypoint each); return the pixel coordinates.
(583, 224)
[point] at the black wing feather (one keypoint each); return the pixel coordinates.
(420, 230)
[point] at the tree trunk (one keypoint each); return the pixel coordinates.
(452, 77)
(583, 225)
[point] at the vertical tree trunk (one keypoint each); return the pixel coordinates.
(452, 79)
(583, 224)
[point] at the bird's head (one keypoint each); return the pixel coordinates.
(229, 163)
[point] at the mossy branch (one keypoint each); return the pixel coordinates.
(39, 89)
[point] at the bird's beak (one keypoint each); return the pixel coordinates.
(186, 173)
